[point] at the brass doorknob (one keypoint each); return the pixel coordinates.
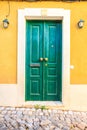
(46, 59)
(41, 59)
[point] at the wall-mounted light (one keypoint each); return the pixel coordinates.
(5, 23)
(81, 23)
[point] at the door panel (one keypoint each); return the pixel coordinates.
(43, 77)
(33, 64)
(53, 52)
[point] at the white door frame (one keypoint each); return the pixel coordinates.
(42, 14)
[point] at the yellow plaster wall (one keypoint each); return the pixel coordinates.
(78, 40)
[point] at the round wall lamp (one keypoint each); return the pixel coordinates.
(5, 23)
(81, 23)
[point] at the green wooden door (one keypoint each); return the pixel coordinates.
(43, 68)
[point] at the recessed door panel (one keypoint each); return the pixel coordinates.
(33, 65)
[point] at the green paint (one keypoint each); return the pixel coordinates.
(43, 78)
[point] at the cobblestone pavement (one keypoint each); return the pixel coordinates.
(38, 119)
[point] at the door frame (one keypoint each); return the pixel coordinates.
(44, 14)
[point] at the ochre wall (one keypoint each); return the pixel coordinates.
(78, 39)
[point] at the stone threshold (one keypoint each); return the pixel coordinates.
(49, 104)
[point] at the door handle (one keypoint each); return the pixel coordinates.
(41, 59)
(46, 59)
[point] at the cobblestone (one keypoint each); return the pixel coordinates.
(36, 119)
